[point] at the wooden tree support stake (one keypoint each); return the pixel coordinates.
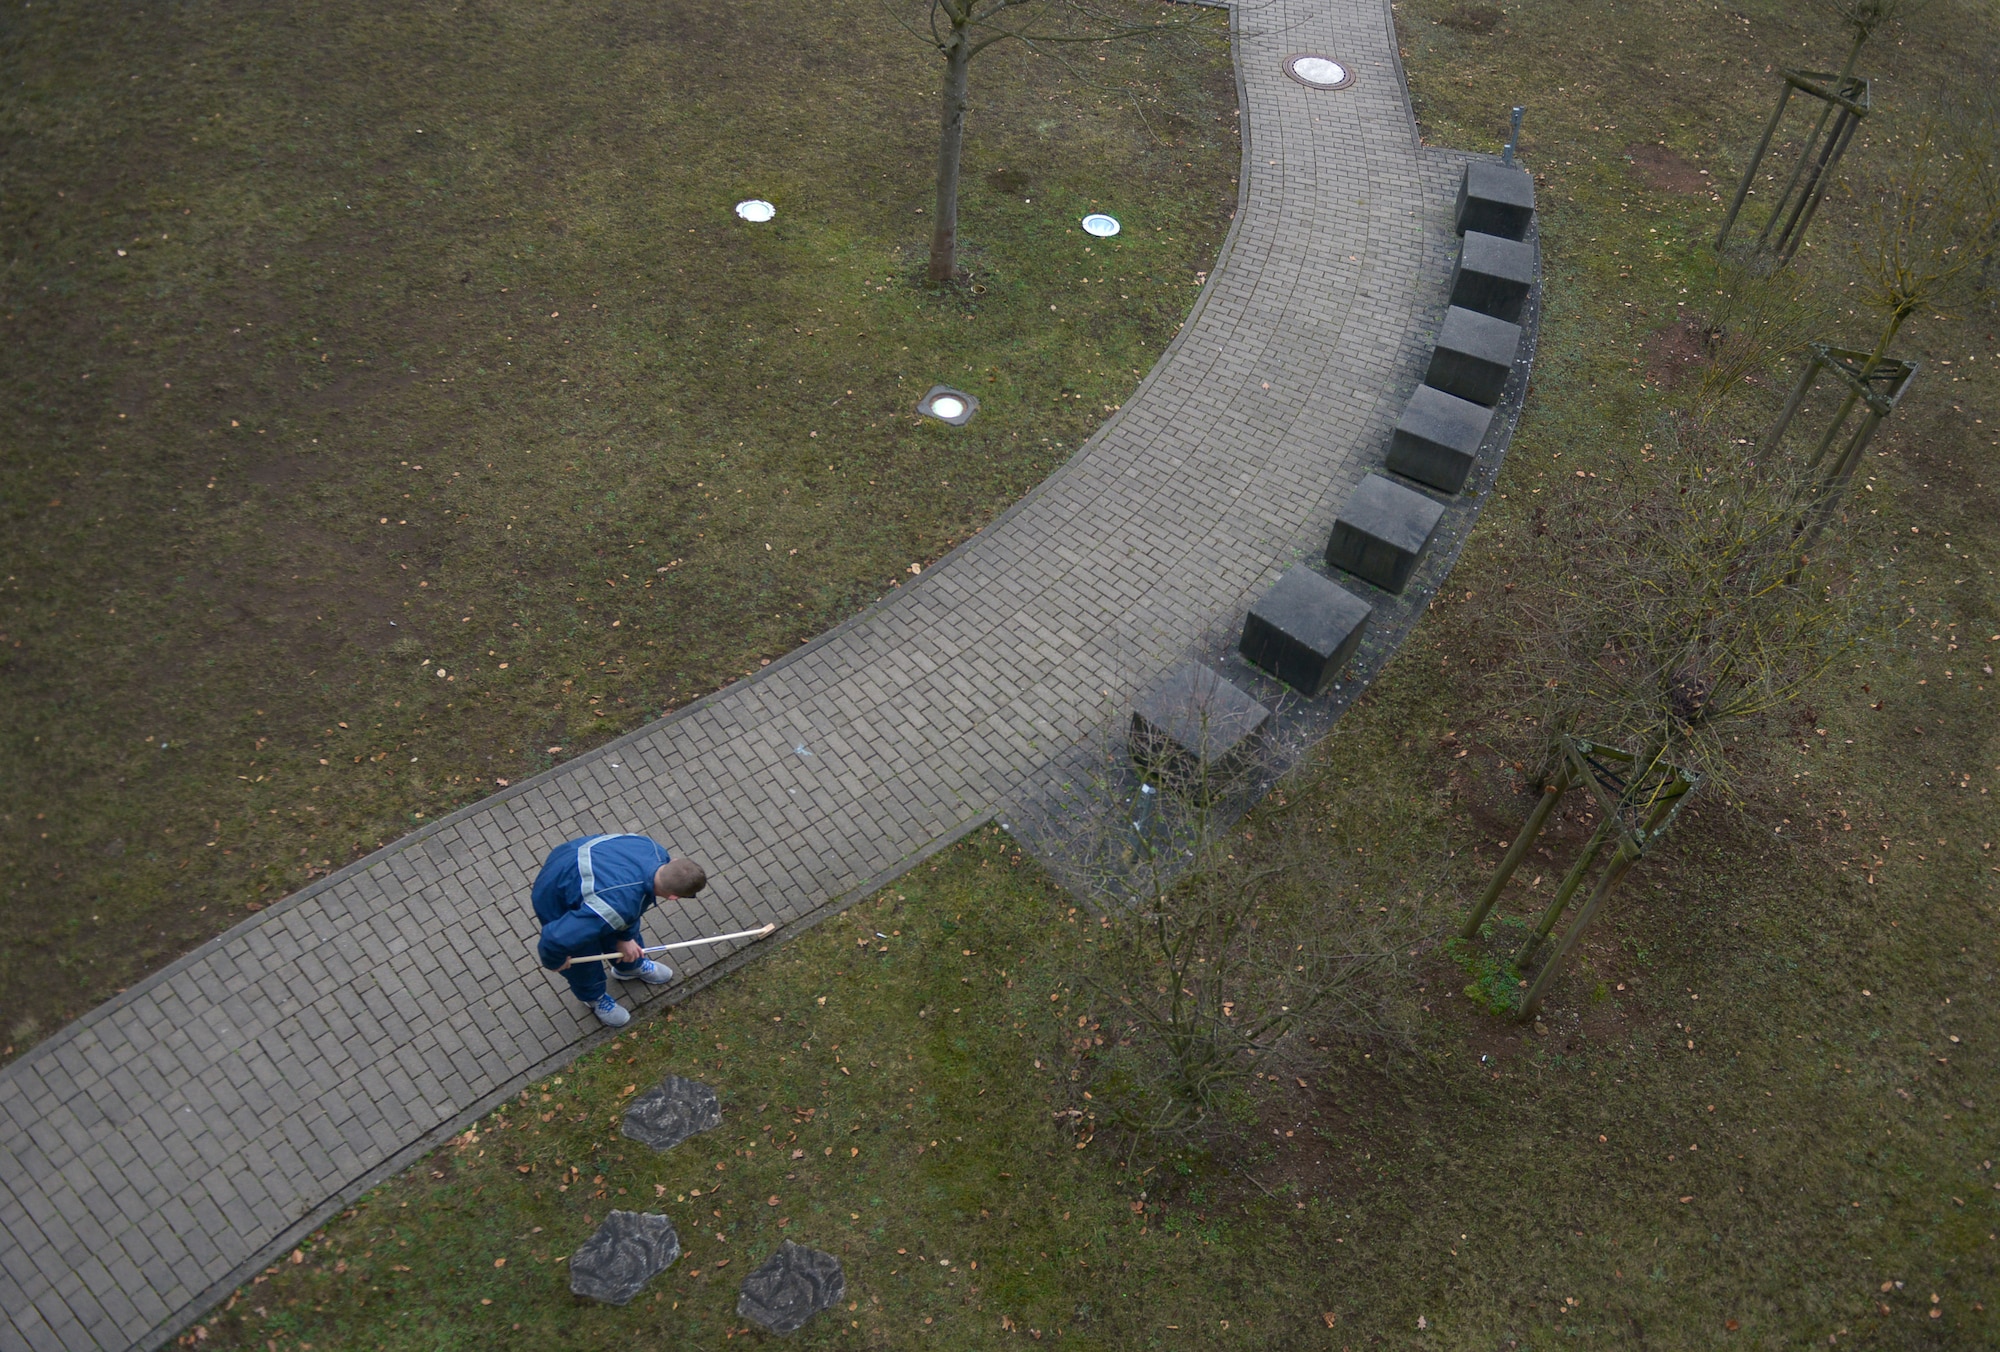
(1639, 797)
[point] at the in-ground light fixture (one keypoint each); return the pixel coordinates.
(948, 405)
(756, 210)
(1100, 225)
(1318, 72)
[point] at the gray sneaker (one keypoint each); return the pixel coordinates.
(650, 972)
(609, 1012)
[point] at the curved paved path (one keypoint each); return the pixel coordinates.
(156, 1151)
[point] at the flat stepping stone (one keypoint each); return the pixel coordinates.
(1494, 275)
(1382, 530)
(1304, 629)
(1474, 355)
(794, 1284)
(1194, 715)
(1437, 439)
(1495, 199)
(622, 1255)
(671, 1111)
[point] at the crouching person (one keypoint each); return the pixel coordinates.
(589, 897)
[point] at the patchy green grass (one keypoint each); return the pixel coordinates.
(1759, 1111)
(395, 404)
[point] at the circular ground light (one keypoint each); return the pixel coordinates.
(1318, 72)
(756, 210)
(948, 405)
(1100, 225)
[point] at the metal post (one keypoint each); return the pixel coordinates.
(1514, 139)
(1142, 821)
(1551, 793)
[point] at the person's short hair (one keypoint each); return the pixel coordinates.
(680, 878)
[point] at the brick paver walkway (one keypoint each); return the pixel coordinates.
(153, 1153)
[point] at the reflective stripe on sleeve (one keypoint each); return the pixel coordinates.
(604, 909)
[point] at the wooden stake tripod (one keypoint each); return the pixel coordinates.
(1638, 805)
(1843, 101)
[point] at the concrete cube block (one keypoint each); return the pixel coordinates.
(1193, 717)
(1493, 275)
(1495, 199)
(1304, 629)
(1474, 355)
(1381, 531)
(1437, 439)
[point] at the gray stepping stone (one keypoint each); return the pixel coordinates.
(1304, 629)
(622, 1255)
(1437, 439)
(794, 1284)
(1495, 199)
(1474, 355)
(1381, 531)
(1194, 715)
(671, 1111)
(1493, 275)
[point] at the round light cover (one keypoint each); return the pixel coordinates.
(1318, 72)
(947, 405)
(1100, 225)
(756, 210)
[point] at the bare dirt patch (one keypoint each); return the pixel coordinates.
(1479, 20)
(1676, 353)
(1663, 171)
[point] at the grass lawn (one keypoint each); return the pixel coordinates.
(1759, 1111)
(395, 405)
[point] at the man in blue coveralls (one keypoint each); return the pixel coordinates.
(589, 897)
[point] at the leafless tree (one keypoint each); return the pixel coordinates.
(1217, 948)
(1753, 320)
(1931, 219)
(960, 30)
(1669, 609)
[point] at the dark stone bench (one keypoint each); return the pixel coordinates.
(1193, 716)
(1304, 629)
(1381, 531)
(1493, 275)
(1474, 355)
(1437, 439)
(1495, 199)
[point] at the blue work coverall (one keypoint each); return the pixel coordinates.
(588, 896)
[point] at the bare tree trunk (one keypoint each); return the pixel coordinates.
(951, 140)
